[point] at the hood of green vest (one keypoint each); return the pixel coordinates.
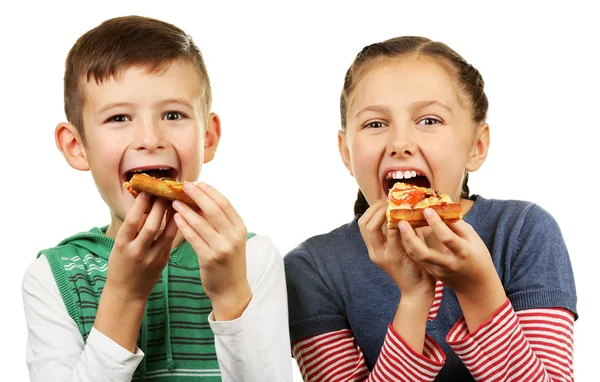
(93, 240)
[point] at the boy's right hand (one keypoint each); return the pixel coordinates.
(140, 253)
(141, 250)
(386, 250)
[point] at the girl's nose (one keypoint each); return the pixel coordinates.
(401, 143)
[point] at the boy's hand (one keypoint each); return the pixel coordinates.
(141, 249)
(138, 257)
(218, 235)
(387, 252)
(456, 255)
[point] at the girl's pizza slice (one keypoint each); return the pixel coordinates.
(161, 187)
(407, 202)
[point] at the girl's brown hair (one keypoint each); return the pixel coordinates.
(468, 80)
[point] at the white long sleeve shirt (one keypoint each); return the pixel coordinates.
(253, 347)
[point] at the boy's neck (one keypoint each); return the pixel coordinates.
(116, 223)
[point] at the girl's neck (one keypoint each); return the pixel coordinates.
(466, 205)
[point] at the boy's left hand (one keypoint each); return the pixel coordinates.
(218, 236)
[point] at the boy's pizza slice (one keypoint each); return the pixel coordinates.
(407, 202)
(165, 188)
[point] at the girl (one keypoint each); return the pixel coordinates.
(490, 297)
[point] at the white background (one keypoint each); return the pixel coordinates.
(277, 72)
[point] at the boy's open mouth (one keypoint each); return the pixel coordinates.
(409, 176)
(156, 172)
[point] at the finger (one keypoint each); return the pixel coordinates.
(223, 203)
(443, 233)
(371, 229)
(131, 225)
(191, 235)
(199, 224)
(166, 237)
(418, 250)
(210, 209)
(153, 223)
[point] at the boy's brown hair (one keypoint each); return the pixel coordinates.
(122, 42)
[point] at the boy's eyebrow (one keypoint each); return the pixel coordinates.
(113, 105)
(423, 104)
(375, 108)
(165, 102)
(177, 100)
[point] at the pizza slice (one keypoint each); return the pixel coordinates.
(166, 188)
(407, 202)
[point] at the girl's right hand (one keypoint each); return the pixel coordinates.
(386, 250)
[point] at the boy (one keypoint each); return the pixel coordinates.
(164, 291)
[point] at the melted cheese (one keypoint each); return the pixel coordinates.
(402, 191)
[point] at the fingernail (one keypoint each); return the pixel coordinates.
(428, 212)
(403, 226)
(188, 186)
(176, 204)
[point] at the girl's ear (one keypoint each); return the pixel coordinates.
(212, 137)
(69, 142)
(344, 152)
(480, 148)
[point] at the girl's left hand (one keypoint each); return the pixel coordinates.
(457, 256)
(218, 236)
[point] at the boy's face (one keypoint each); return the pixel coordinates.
(146, 121)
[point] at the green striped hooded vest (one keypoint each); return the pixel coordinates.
(175, 335)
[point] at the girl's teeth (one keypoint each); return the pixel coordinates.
(403, 174)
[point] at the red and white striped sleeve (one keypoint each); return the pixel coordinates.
(437, 301)
(335, 356)
(531, 345)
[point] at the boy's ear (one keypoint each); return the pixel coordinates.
(344, 152)
(480, 148)
(212, 137)
(69, 142)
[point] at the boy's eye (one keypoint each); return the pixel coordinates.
(429, 121)
(173, 116)
(118, 118)
(374, 125)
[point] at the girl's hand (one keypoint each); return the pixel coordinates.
(218, 236)
(457, 256)
(386, 250)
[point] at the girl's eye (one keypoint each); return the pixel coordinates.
(429, 121)
(374, 125)
(118, 118)
(173, 116)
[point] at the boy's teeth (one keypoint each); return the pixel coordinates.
(402, 174)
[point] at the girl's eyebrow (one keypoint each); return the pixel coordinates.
(375, 108)
(424, 104)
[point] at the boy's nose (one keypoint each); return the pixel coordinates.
(148, 137)
(401, 143)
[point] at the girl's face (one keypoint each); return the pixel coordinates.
(406, 120)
